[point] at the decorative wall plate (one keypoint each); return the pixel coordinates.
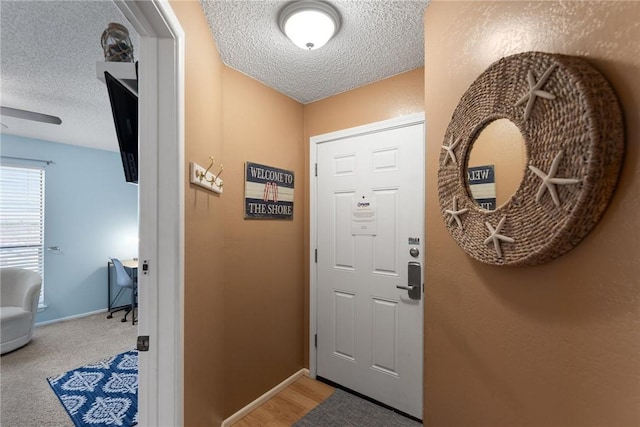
(571, 123)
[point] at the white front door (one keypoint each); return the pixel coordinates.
(370, 234)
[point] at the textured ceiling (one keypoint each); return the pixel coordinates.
(48, 60)
(378, 39)
(48, 52)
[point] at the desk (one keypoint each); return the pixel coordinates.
(131, 265)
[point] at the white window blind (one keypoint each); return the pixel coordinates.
(22, 219)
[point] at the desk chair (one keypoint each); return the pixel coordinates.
(125, 281)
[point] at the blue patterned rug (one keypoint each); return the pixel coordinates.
(101, 394)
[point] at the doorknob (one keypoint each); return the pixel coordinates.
(414, 281)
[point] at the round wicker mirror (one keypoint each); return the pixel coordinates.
(572, 127)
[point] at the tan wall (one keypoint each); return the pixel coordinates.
(243, 279)
(396, 96)
(263, 259)
(246, 303)
(387, 99)
(204, 213)
(551, 345)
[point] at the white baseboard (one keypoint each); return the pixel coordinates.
(262, 399)
(75, 316)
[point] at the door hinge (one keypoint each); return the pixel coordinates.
(143, 343)
(316, 256)
(316, 169)
(315, 338)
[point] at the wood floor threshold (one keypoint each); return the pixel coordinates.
(283, 405)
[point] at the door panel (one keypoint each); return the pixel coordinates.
(344, 251)
(369, 331)
(344, 322)
(384, 244)
(385, 335)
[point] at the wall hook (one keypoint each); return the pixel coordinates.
(202, 175)
(215, 178)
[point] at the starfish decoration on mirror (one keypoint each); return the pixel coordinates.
(449, 149)
(549, 181)
(534, 91)
(455, 213)
(495, 236)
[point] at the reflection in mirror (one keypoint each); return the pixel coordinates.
(496, 164)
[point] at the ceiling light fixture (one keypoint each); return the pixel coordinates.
(309, 24)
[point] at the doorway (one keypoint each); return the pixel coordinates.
(161, 207)
(367, 236)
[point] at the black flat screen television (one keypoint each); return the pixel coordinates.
(124, 106)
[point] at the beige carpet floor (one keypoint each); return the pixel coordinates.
(26, 399)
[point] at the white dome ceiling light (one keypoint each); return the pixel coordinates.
(309, 24)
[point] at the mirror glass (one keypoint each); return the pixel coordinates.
(496, 164)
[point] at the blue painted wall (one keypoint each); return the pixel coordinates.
(91, 213)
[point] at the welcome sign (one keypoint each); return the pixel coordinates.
(268, 192)
(482, 183)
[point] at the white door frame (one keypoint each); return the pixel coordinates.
(313, 206)
(161, 207)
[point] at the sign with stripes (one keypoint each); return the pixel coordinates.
(268, 192)
(482, 183)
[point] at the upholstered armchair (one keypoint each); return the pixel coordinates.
(19, 293)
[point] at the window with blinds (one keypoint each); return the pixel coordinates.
(22, 219)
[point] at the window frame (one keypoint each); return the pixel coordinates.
(25, 185)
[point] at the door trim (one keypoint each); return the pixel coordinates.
(161, 207)
(314, 141)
